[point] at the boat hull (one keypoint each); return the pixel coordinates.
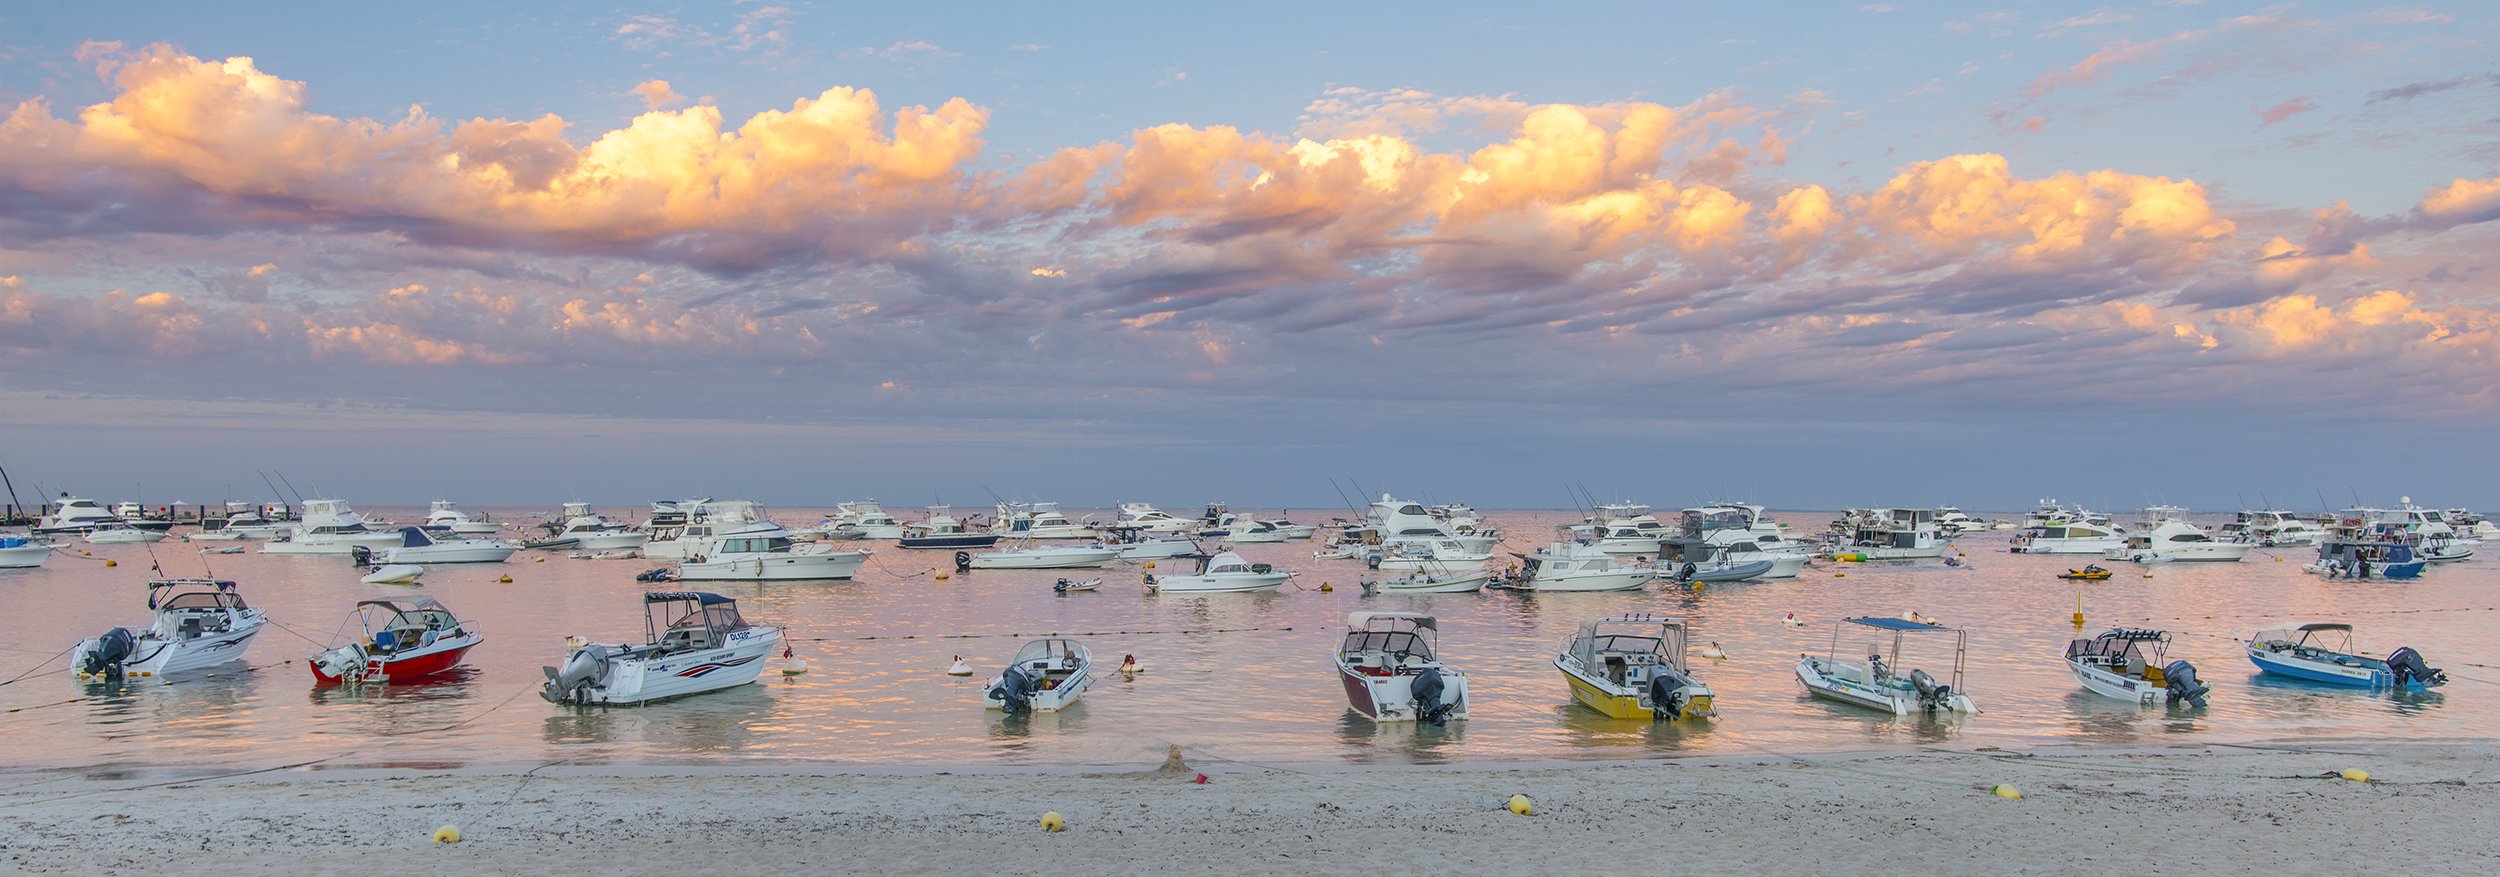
(24, 556)
(394, 574)
(1464, 583)
(2352, 672)
(1392, 698)
(2117, 686)
(2070, 546)
(1157, 550)
(949, 541)
(1046, 558)
(609, 541)
(341, 545)
(1217, 584)
(773, 567)
(1048, 700)
(441, 657)
(1610, 580)
(633, 682)
(497, 553)
(155, 656)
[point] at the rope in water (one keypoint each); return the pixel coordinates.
(1182, 632)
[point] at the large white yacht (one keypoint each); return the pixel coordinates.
(329, 526)
(2055, 530)
(734, 541)
(2166, 535)
(1145, 518)
(587, 530)
(1391, 520)
(1623, 528)
(445, 516)
(2440, 541)
(1039, 520)
(73, 514)
(1887, 534)
(2270, 528)
(1572, 565)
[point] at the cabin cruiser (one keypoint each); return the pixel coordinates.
(865, 519)
(417, 547)
(1633, 666)
(2068, 534)
(750, 547)
(1737, 530)
(1464, 581)
(1396, 520)
(242, 520)
(1876, 684)
(583, 529)
(1887, 534)
(330, 527)
(1222, 572)
(401, 641)
(2133, 665)
(199, 623)
(678, 530)
(1142, 517)
(1391, 672)
(703, 645)
(122, 534)
(2358, 549)
(940, 531)
(1217, 520)
(2437, 542)
(1439, 555)
(1952, 522)
(1571, 565)
(2324, 652)
(2472, 525)
(1033, 556)
(2166, 536)
(18, 552)
(1039, 520)
(71, 514)
(2270, 528)
(1725, 567)
(1262, 531)
(1046, 675)
(1623, 528)
(445, 516)
(1134, 545)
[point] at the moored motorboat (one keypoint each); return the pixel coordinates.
(445, 516)
(589, 531)
(1039, 520)
(2165, 536)
(2089, 573)
(1462, 581)
(72, 514)
(122, 534)
(2133, 665)
(1046, 675)
(402, 641)
(392, 574)
(1391, 671)
(199, 624)
(1875, 685)
(759, 550)
(1578, 566)
(695, 642)
(1633, 666)
(417, 547)
(1070, 586)
(18, 552)
(1031, 556)
(1722, 569)
(329, 526)
(1221, 572)
(2324, 652)
(940, 531)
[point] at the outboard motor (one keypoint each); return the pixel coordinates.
(963, 561)
(1015, 690)
(1666, 694)
(110, 650)
(1427, 689)
(1931, 694)
(2180, 678)
(655, 574)
(588, 664)
(2406, 665)
(362, 555)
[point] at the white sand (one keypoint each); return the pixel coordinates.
(2200, 811)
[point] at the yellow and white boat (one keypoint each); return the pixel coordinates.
(1633, 667)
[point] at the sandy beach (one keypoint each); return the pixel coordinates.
(2205, 810)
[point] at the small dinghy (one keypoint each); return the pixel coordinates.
(1065, 586)
(695, 642)
(403, 641)
(1047, 675)
(393, 574)
(199, 624)
(226, 549)
(2324, 652)
(18, 552)
(1875, 685)
(2129, 664)
(1633, 667)
(1390, 671)
(1722, 570)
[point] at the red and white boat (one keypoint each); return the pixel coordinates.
(404, 640)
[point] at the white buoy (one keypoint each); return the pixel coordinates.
(960, 668)
(1792, 621)
(1130, 666)
(1714, 652)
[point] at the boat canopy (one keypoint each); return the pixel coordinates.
(412, 537)
(1053, 652)
(2324, 625)
(1404, 633)
(701, 597)
(1898, 624)
(1362, 620)
(1634, 633)
(220, 595)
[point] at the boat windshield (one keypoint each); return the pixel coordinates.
(202, 600)
(718, 616)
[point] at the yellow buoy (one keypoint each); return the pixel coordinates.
(1150, 564)
(943, 576)
(1521, 805)
(1325, 587)
(86, 554)
(1840, 575)
(2354, 774)
(112, 563)
(504, 579)
(1052, 822)
(2078, 608)
(449, 834)
(2005, 791)
(539, 560)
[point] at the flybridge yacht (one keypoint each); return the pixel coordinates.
(1144, 518)
(2053, 530)
(445, 516)
(589, 531)
(862, 519)
(1887, 534)
(2440, 542)
(2270, 528)
(1729, 528)
(242, 520)
(329, 526)
(1395, 520)
(1039, 520)
(1952, 522)
(1623, 528)
(71, 514)
(2166, 536)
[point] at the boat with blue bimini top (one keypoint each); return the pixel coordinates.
(2357, 548)
(704, 645)
(2132, 664)
(1875, 685)
(18, 552)
(2324, 652)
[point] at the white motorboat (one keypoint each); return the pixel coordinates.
(1222, 572)
(1886, 534)
(1145, 518)
(2324, 652)
(2166, 536)
(1391, 520)
(1046, 675)
(759, 550)
(1261, 531)
(400, 641)
(329, 526)
(1952, 522)
(2270, 528)
(1039, 520)
(1072, 586)
(1392, 673)
(694, 642)
(1465, 581)
(72, 514)
(17, 552)
(587, 530)
(941, 531)
(1031, 556)
(1141, 548)
(242, 520)
(1439, 555)
(2132, 665)
(199, 624)
(417, 547)
(122, 534)
(445, 516)
(2055, 531)
(1633, 666)
(867, 518)
(2437, 540)
(1624, 528)
(1874, 683)
(392, 574)
(1578, 566)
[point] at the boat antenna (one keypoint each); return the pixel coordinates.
(273, 486)
(2356, 496)
(1358, 488)
(1349, 503)
(290, 488)
(2322, 506)
(14, 506)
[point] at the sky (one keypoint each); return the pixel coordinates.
(1815, 255)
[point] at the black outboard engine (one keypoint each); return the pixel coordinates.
(963, 561)
(2406, 665)
(2180, 678)
(1686, 574)
(1931, 694)
(1015, 690)
(1666, 694)
(655, 574)
(1427, 689)
(362, 555)
(111, 650)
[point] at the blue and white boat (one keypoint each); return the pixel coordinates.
(2360, 549)
(2323, 652)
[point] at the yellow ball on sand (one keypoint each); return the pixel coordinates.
(1521, 805)
(449, 834)
(2354, 774)
(943, 577)
(1052, 822)
(112, 563)
(2005, 791)
(504, 579)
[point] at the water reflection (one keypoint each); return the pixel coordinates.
(715, 723)
(1367, 741)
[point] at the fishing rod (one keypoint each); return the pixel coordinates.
(290, 486)
(15, 507)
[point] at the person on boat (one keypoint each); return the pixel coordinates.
(2365, 568)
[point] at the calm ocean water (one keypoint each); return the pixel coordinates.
(1241, 676)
